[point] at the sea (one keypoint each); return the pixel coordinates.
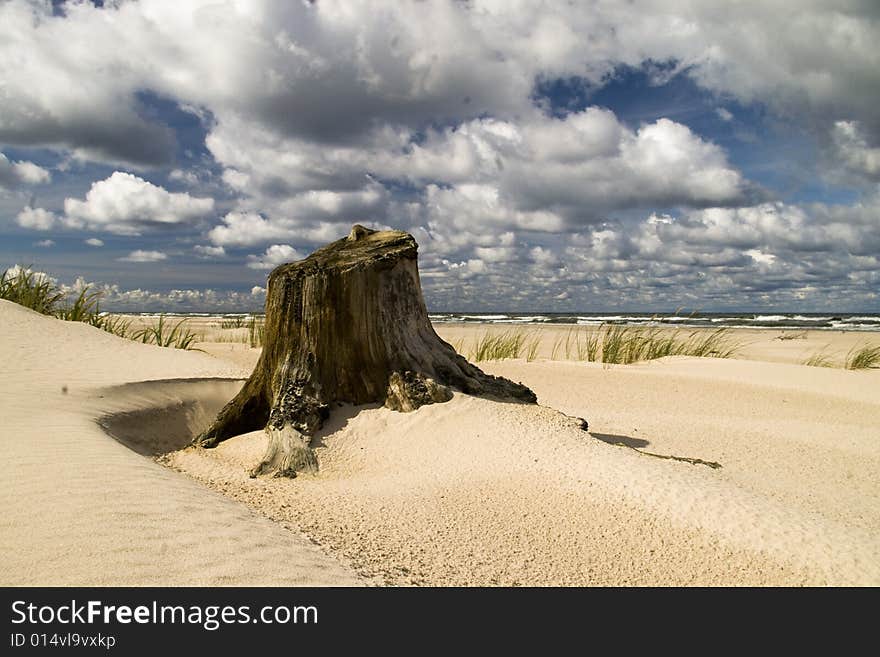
(778, 321)
(803, 321)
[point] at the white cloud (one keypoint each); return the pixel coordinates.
(277, 254)
(760, 257)
(36, 219)
(320, 115)
(816, 255)
(187, 177)
(329, 71)
(15, 174)
(250, 228)
(851, 147)
(140, 255)
(126, 204)
(593, 164)
(539, 173)
(94, 241)
(75, 90)
(115, 298)
(470, 207)
(45, 244)
(209, 251)
(246, 228)
(39, 276)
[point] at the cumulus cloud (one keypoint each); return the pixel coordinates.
(126, 204)
(852, 149)
(115, 298)
(204, 251)
(246, 228)
(45, 244)
(277, 254)
(94, 241)
(75, 91)
(817, 256)
(585, 158)
(424, 116)
(588, 163)
(16, 174)
(141, 255)
(181, 300)
(250, 228)
(538, 174)
(768, 252)
(36, 219)
(330, 70)
(39, 276)
(187, 177)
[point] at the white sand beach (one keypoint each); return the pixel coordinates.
(79, 508)
(470, 492)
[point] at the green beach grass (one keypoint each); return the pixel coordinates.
(612, 344)
(40, 293)
(864, 357)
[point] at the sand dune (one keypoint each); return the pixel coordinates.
(78, 508)
(470, 492)
(476, 492)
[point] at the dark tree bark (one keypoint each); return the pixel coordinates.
(347, 324)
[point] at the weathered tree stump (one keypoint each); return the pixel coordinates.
(346, 324)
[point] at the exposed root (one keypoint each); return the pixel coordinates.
(408, 390)
(287, 454)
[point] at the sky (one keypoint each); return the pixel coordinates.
(547, 156)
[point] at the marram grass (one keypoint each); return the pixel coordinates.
(622, 345)
(501, 346)
(860, 357)
(256, 332)
(118, 326)
(497, 346)
(244, 330)
(612, 344)
(40, 293)
(232, 323)
(864, 357)
(820, 358)
(165, 335)
(83, 309)
(31, 290)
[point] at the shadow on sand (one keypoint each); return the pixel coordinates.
(617, 439)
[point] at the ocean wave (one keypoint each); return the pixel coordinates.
(767, 321)
(861, 319)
